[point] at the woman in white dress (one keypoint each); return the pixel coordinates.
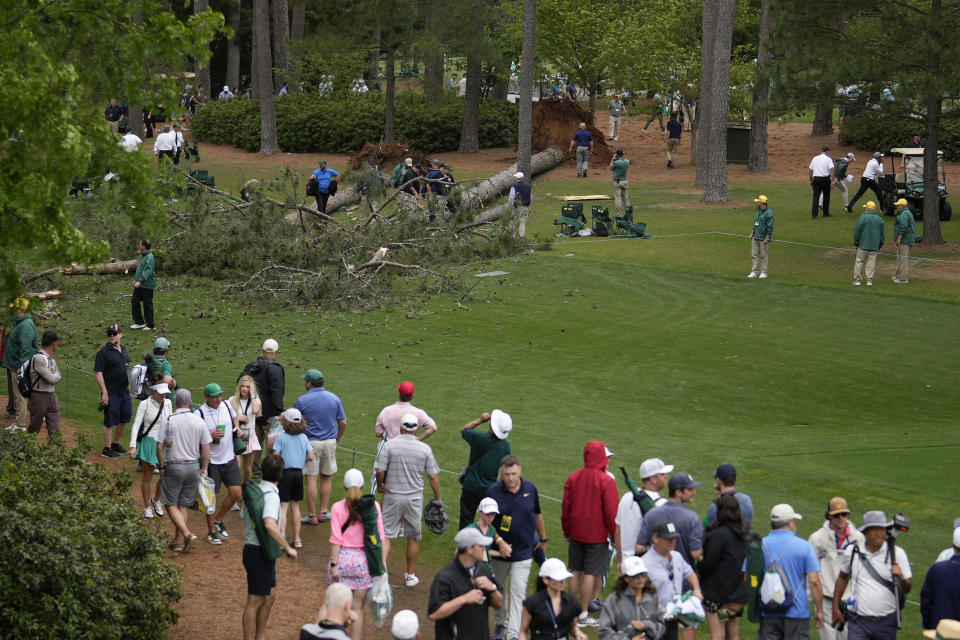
(246, 403)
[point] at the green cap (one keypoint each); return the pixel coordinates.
(161, 343)
(313, 375)
(212, 389)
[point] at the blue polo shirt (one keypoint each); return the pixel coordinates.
(746, 507)
(687, 522)
(433, 174)
(583, 138)
(321, 409)
(675, 129)
(323, 177)
(797, 561)
(517, 522)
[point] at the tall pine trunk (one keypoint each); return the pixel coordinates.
(528, 53)
(931, 175)
(281, 35)
(389, 125)
(759, 161)
(706, 84)
(233, 46)
(299, 18)
(135, 121)
(715, 142)
(823, 119)
(202, 69)
(433, 60)
(373, 72)
(262, 77)
(470, 133)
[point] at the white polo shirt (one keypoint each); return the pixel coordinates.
(821, 166)
(874, 169)
(872, 598)
(220, 452)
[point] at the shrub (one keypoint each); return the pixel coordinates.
(877, 131)
(75, 559)
(308, 122)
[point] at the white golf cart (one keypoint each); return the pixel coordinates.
(906, 182)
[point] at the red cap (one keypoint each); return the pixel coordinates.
(405, 388)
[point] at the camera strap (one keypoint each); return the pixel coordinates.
(871, 570)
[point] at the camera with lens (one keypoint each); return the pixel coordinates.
(901, 522)
(842, 622)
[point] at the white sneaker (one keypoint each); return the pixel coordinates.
(856, 282)
(869, 282)
(752, 274)
(157, 507)
(411, 579)
(763, 275)
(137, 326)
(148, 513)
(586, 620)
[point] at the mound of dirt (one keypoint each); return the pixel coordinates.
(387, 155)
(554, 123)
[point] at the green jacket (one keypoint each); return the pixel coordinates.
(146, 270)
(870, 232)
(620, 168)
(905, 226)
(487, 451)
(763, 223)
(21, 343)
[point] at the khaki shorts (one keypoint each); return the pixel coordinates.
(406, 509)
(324, 458)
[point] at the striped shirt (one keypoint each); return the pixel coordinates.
(406, 459)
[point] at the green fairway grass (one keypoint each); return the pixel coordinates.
(659, 347)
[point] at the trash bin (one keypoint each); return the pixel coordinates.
(738, 142)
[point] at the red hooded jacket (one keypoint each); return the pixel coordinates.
(590, 499)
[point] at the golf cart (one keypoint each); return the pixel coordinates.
(908, 183)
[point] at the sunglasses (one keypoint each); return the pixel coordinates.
(840, 515)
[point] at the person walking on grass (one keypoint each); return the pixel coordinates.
(721, 568)
(616, 109)
(157, 364)
(324, 177)
(674, 130)
(261, 572)
(43, 404)
(110, 368)
(151, 413)
(869, 180)
(389, 425)
(868, 237)
(829, 543)
(268, 375)
(670, 574)
(222, 423)
(760, 237)
(904, 233)
(519, 199)
(20, 347)
(551, 612)
(400, 468)
(326, 423)
(632, 612)
(183, 455)
(583, 144)
(822, 177)
(486, 451)
(619, 165)
(294, 448)
(247, 407)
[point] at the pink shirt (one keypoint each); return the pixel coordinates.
(352, 536)
(389, 419)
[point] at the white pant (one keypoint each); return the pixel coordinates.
(518, 573)
(827, 632)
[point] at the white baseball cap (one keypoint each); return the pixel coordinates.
(470, 536)
(518, 175)
(488, 505)
(405, 625)
(409, 422)
(353, 478)
(652, 467)
(633, 566)
(784, 513)
(161, 388)
(270, 346)
(554, 569)
(500, 423)
(956, 537)
(292, 415)
(608, 452)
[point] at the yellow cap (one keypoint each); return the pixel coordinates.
(900, 201)
(20, 303)
(762, 199)
(870, 205)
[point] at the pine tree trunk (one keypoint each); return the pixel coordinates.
(706, 83)
(525, 106)
(135, 121)
(715, 142)
(389, 125)
(759, 161)
(203, 72)
(262, 77)
(299, 18)
(233, 47)
(500, 89)
(470, 133)
(823, 120)
(433, 60)
(931, 175)
(373, 72)
(281, 36)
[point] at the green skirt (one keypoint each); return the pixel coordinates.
(147, 451)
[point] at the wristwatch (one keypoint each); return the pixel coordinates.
(543, 539)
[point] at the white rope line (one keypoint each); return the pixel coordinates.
(826, 246)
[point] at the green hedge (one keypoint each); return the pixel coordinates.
(342, 124)
(876, 131)
(76, 560)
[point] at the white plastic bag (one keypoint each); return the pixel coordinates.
(380, 600)
(207, 495)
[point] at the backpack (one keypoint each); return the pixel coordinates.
(332, 186)
(397, 178)
(601, 229)
(312, 186)
(25, 381)
(253, 503)
(776, 594)
(137, 377)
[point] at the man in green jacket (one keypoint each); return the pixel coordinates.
(760, 236)
(21, 346)
(619, 165)
(868, 237)
(145, 281)
(904, 231)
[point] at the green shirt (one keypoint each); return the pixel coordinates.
(870, 232)
(21, 343)
(616, 108)
(146, 271)
(159, 364)
(484, 472)
(905, 226)
(763, 223)
(620, 168)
